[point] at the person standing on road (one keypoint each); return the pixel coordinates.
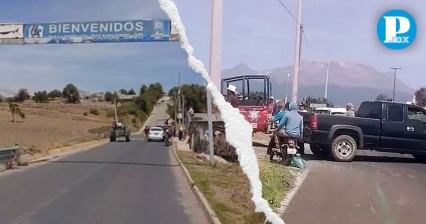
(180, 132)
(146, 131)
(350, 110)
(232, 96)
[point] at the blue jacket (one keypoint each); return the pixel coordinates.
(279, 115)
(292, 122)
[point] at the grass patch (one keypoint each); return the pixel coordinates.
(227, 188)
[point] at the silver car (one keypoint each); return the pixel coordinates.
(156, 133)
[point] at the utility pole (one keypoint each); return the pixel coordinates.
(183, 110)
(394, 82)
(179, 101)
(215, 66)
(286, 88)
(175, 104)
(297, 52)
(326, 79)
(115, 107)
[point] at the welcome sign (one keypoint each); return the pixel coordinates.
(99, 32)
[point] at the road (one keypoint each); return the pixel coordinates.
(377, 188)
(159, 114)
(120, 182)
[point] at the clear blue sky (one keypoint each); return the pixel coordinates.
(258, 33)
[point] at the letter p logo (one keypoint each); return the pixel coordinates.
(396, 29)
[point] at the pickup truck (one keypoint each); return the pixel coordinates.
(378, 125)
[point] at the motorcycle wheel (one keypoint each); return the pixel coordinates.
(271, 156)
(285, 157)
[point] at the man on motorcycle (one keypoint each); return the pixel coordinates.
(275, 121)
(290, 126)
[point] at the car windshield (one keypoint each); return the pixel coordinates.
(156, 129)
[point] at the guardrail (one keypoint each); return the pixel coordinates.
(8, 156)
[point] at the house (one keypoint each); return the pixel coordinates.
(97, 97)
(124, 98)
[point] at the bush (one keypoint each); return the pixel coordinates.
(55, 94)
(85, 114)
(110, 113)
(41, 97)
(94, 111)
(135, 122)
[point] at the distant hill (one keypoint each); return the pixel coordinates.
(348, 81)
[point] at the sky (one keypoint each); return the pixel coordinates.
(260, 34)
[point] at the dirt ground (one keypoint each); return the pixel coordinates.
(261, 137)
(52, 125)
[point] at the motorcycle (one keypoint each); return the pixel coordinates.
(167, 138)
(167, 141)
(286, 151)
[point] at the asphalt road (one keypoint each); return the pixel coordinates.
(120, 182)
(159, 114)
(376, 188)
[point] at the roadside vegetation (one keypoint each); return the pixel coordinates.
(46, 120)
(195, 96)
(227, 188)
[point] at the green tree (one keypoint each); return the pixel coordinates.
(116, 97)
(71, 94)
(383, 97)
(109, 97)
(420, 95)
(143, 89)
(23, 95)
(173, 91)
(123, 91)
(157, 87)
(256, 95)
(317, 100)
(41, 97)
(131, 92)
(195, 96)
(54, 94)
(142, 103)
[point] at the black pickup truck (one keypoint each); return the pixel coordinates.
(378, 125)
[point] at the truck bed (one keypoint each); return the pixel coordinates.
(366, 130)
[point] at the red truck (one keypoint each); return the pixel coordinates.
(255, 111)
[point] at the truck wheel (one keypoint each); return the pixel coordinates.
(127, 138)
(343, 148)
(112, 137)
(321, 151)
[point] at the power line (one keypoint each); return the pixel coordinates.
(304, 36)
(7, 90)
(285, 7)
(303, 31)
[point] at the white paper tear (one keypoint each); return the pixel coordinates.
(238, 130)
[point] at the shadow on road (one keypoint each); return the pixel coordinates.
(114, 163)
(259, 144)
(366, 158)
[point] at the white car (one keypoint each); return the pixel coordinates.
(155, 133)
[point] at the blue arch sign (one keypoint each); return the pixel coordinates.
(159, 30)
